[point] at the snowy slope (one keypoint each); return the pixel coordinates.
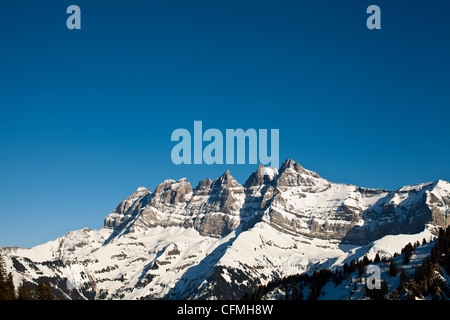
(222, 239)
(353, 286)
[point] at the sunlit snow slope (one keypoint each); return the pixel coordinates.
(221, 239)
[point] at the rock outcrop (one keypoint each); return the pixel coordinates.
(292, 199)
(221, 239)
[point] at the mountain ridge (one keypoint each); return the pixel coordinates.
(221, 238)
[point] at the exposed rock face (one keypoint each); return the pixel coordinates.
(171, 193)
(223, 238)
(262, 176)
(127, 209)
(291, 199)
(310, 205)
(213, 208)
(293, 174)
(225, 195)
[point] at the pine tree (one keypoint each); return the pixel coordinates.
(434, 255)
(361, 268)
(40, 291)
(48, 292)
(365, 261)
(7, 291)
(44, 291)
(355, 288)
(24, 292)
(404, 276)
(346, 269)
(427, 269)
(300, 292)
(294, 293)
(418, 274)
(352, 266)
(2, 280)
(443, 241)
(393, 270)
(10, 293)
(377, 258)
(384, 289)
(259, 293)
(407, 251)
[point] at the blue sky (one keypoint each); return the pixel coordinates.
(86, 115)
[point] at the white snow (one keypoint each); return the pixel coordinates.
(147, 260)
(269, 171)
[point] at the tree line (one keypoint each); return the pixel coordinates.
(422, 283)
(24, 291)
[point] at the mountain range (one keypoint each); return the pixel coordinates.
(221, 239)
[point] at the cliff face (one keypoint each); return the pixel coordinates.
(221, 239)
(291, 199)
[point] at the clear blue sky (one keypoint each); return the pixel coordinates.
(86, 115)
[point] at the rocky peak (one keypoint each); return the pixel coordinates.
(226, 182)
(262, 176)
(127, 208)
(224, 178)
(224, 192)
(215, 206)
(292, 199)
(139, 193)
(293, 174)
(292, 166)
(204, 184)
(276, 228)
(123, 207)
(171, 192)
(203, 187)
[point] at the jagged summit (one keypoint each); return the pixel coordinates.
(221, 239)
(292, 199)
(291, 165)
(263, 175)
(225, 181)
(203, 184)
(290, 173)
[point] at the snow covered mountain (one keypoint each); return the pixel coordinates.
(221, 239)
